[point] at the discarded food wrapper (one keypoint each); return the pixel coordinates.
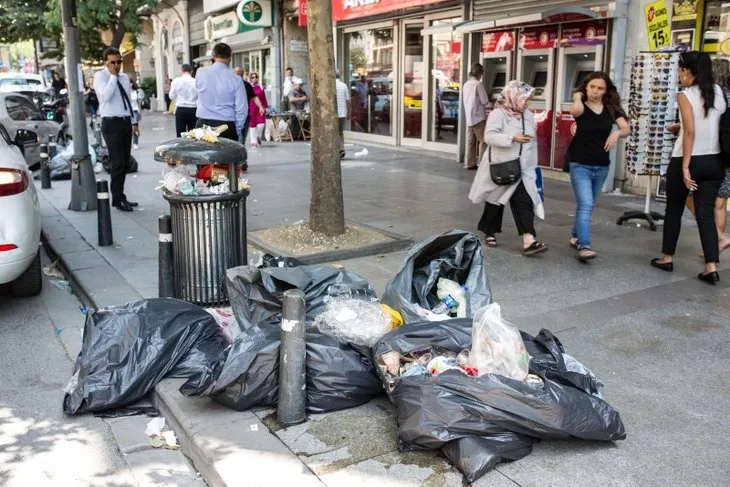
(226, 322)
(51, 270)
(155, 426)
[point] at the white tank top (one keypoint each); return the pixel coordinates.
(707, 129)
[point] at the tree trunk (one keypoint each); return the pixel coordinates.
(326, 209)
(117, 31)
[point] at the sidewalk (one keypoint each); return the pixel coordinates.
(636, 327)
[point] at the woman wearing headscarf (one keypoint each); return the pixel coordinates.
(257, 120)
(510, 134)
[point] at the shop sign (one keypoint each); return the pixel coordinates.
(221, 26)
(498, 41)
(583, 34)
(302, 21)
(683, 39)
(657, 25)
(356, 9)
(255, 13)
(684, 10)
(540, 38)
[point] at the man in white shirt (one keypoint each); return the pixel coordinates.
(343, 110)
(286, 89)
(113, 89)
(475, 100)
(185, 95)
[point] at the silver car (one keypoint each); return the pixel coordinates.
(18, 112)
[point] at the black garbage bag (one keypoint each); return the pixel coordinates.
(256, 294)
(477, 455)
(436, 411)
(201, 358)
(268, 260)
(128, 349)
(339, 376)
(454, 255)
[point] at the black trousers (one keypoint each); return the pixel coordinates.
(523, 212)
(708, 172)
(230, 132)
(117, 132)
(185, 119)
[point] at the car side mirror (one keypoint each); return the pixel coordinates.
(23, 137)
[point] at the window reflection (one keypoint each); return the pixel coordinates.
(445, 83)
(368, 62)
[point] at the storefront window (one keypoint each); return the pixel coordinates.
(413, 82)
(445, 84)
(716, 39)
(368, 71)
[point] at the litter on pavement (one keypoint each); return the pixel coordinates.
(463, 379)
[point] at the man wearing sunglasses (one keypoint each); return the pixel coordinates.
(113, 89)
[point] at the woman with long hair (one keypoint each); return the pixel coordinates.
(600, 121)
(510, 135)
(695, 167)
(257, 120)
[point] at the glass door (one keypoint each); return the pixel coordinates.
(413, 72)
(255, 63)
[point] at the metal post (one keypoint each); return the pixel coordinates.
(83, 180)
(45, 169)
(166, 267)
(291, 408)
(52, 147)
(103, 214)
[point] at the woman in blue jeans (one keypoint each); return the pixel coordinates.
(597, 111)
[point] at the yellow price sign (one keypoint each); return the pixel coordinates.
(657, 25)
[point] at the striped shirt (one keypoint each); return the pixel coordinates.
(343, 96)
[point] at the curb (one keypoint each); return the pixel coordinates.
(398, 243)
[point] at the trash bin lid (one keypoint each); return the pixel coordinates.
(192, 151)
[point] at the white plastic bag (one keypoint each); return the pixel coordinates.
(444, 287)
(354, 321)
(497, 346)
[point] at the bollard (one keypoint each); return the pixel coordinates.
(292, 405)
(103, 213)
(45, 168)
(52, 147)
(166, 268)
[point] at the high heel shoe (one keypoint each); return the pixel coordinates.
(709, 278)
(665, 266)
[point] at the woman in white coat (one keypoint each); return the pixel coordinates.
(510, 134)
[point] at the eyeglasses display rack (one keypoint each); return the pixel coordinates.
(652, 109)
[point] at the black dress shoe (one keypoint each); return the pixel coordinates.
(131, 203)
(124, 206)
(666, 266)
(709, 278)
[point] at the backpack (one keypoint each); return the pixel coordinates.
(725, 133)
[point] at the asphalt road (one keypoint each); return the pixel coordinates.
(39, 444)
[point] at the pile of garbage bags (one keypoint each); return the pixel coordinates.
(463, 379)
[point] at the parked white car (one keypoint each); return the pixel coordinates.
(20, 225)
(18, 112)
(23, 83)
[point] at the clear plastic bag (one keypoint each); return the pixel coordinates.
(354, 321)
(447, 287)
(497, 346)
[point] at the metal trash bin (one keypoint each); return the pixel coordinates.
(208, 231)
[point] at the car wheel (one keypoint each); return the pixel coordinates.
(30, 282)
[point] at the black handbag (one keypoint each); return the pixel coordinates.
(509, 172)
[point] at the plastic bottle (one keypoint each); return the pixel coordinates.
(448, 303)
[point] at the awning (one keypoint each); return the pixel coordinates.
(550, 15)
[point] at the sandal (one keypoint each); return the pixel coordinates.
(490, 242)
(535, 248)
(585, 254)
(573, 242)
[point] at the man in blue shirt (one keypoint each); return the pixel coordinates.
(221, 95)
(113, 89)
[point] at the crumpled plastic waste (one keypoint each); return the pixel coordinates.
(226, 322)
(205, 133)
(354, 321)
(497, 346)
(181, 179)
(447, 287)
(159, 437)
